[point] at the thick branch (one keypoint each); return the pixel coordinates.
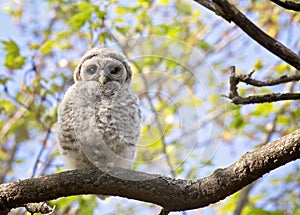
(171, 194)
(289, 5)
(230, 13)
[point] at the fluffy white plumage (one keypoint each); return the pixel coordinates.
(99, 117)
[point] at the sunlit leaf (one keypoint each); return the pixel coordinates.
(13, 58)
(78, 20)
(263, 110)
(258, 65)
(48, 46)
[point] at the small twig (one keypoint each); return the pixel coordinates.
(8, 162)
(164, 212)
(237, 99)
(289, 5)
(233, 83)
(281, 80)
(41, 152)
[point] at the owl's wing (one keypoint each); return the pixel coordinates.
(136, 117)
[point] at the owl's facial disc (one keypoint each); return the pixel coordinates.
(103, 70)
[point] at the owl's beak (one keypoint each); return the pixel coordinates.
(102, 80)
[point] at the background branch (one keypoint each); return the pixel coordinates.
(171, 194)
(289, 5)
(237, 99)
(230, 13)
(246, 78)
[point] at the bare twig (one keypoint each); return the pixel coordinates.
(48, 132)
(243, 199)
(230, 13)
(164, 212)
(281, 80)
(17, 116)
(8, 162)
(289, 5)
(237, 99)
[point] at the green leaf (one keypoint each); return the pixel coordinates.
(125, 10)
(48, 46)
(3, 80)
(78, 20)
(193, 101)
(163, 2)
(87, 205)
(183, 8)
(263, 110)
(284, 120)
(123, 30)
(192, 174)
(6, 105)
(34, 46)
(238, 121)
(203, 45)
(84, 6)
(258, 65)
(13, 59)
(282, 67)
(85, 10)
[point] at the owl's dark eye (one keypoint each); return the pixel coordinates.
(91, 69)
(114, 69)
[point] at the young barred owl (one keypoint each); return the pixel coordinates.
(99, 117)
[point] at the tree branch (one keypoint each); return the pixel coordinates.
(246, 78)
(237, 99)
(275, 97)
(289, 5)
(171, 194)
(208, 4)
(230, 13)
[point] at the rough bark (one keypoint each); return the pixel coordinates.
(171, 194)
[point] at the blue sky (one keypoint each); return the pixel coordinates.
(226, 155)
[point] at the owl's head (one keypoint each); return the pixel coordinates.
(103, 65)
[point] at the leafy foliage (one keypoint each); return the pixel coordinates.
(178, 53)
(13, 59)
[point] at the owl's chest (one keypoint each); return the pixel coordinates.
(114, 114)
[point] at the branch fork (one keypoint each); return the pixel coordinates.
(235, 79)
